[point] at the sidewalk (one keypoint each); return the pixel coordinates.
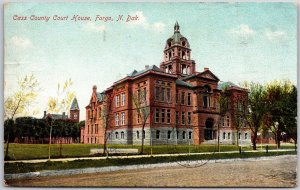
(136, 156)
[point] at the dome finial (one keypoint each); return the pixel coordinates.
(176, 27)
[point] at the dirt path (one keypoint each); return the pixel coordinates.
(271, 172)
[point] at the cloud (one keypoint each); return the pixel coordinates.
(275, 35)
(243, 33)
(142, 21)
(243, 30)
(20, 42)
(92, 27)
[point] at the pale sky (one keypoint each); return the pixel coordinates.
(237, 41)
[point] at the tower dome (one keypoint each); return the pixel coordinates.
(177, 38)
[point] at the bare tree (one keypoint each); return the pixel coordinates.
(143, 110)
(20, 100)
(60, 103)
(107, 117)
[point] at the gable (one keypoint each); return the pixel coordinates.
(208, 75)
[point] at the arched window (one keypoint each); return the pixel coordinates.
(228, 135)
(183, 43)
(246, 135)
(183, 135)
(122, 135)
(190, 135)
(224, 135)
(137, 134)
(116, 134)
(157, 134)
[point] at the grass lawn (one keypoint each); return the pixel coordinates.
(10, 168)
(40, 151)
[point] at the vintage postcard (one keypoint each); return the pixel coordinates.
(169, 94)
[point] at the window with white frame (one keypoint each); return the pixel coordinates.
(182, 97)
(117, 119)
(156, 115)
(156, 93)
(122, 135)
(116, 135)
(183, 135)
(162, 115)
(177, 117)
(117, 100)
(228, 136)
(189, 118)
(168, 95)
(182, 118)
(168, 116)
(228, 121)
(162, 94)
(123, 99)
(122, 118)
(224, 135)
(189, 102)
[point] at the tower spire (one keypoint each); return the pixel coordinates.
(176, 27)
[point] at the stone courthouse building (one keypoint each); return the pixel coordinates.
(183, 104)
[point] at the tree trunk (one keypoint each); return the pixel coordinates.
(254, 140)
(143, 137)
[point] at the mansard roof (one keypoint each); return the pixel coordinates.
(180, 82)
(74, 105)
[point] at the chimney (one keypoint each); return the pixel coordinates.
(146, 66)
(206, 69)
(94, 88)
(45, 113)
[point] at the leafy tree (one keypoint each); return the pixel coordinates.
(257, 108)
(282, 108)
(20, 100)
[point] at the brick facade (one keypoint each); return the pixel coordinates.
(181, 104)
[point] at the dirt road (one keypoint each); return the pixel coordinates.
(270, 172)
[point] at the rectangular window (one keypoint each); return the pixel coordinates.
(177, 117)
(177, 96)
(205, 101)
(224, 135)
(168, 95)
(123, 99)
(189, 117)
(162, 115)
(182, 118)
(182, 97)
(239, 135)
(116, 133)
(222, 121)
(122, 135)
(117, 119)
(123, 118)
(156, 115)
(246, 135)
(144, 94)
(189, 99)
(156, 93)
(138, 118)
(117, 100)
(228, 135)
(168, 116)
(162, 94)
(88, 129)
